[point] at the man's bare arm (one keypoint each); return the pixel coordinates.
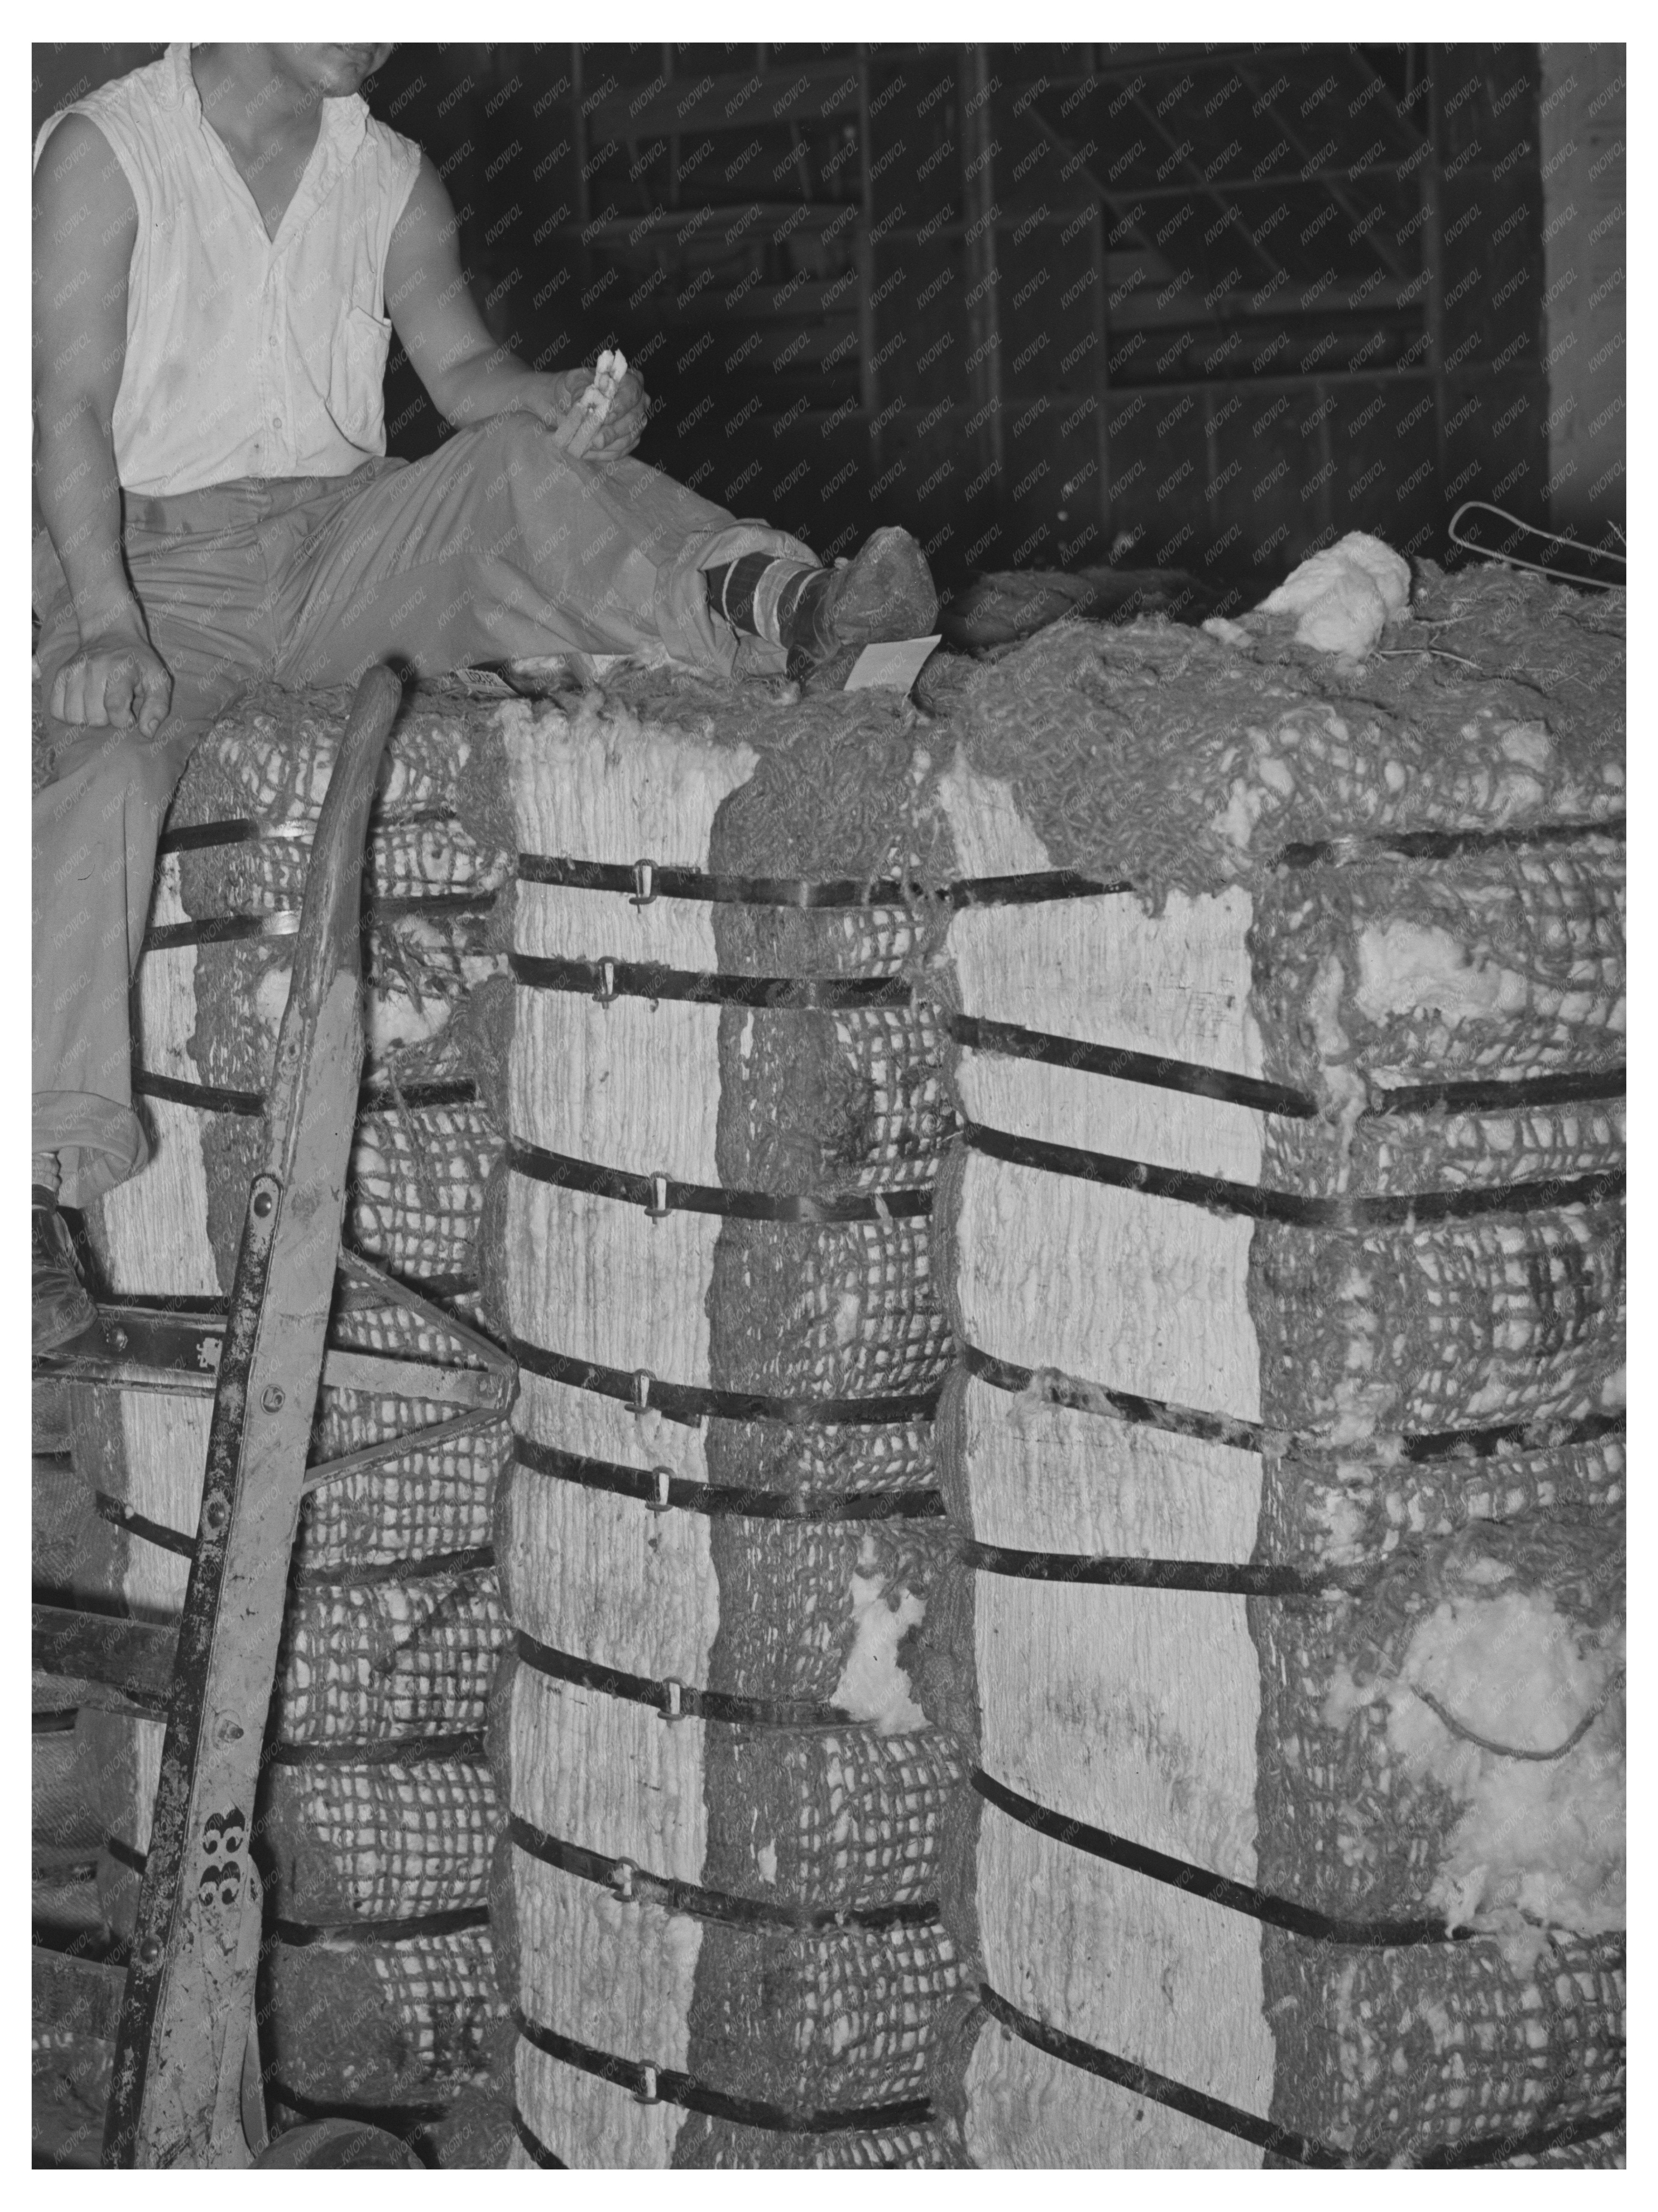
(469, 377)
(85, 225)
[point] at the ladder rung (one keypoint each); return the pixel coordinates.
(131, 1659)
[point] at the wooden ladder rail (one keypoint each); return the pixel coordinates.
(187, 2010)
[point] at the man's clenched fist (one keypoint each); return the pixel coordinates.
(114, 682)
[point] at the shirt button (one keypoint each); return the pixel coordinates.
(276, 421)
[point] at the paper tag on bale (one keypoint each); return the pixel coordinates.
(895, 665)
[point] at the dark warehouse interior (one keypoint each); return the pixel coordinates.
(1050, 306)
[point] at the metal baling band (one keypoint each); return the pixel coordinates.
(207, 836)
(660, 1489)
(240, 829)
(1227, 1578)
(643, 881)
(534, 2148)
(1010, 1041)
(372, 1099)
(474, 1559)
(120, 1515)
(676, 1700)
(297, 1935)
(1448, 844)
(630, 1884)
(204, 1098)
(1418, 1447)
(607, 979)
(381, 1751)
(1563, 1087)
(238, 929)
(666, 2085)
(1201, 1881)
(690, 1403)
(661, 1195)
(1396, 1209)
(1278, 2142)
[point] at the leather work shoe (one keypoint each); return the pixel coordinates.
(885, 592)
(62, 1307)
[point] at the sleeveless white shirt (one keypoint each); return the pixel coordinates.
(248, 356)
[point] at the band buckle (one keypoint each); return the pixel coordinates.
(606, 990)
(644, 890)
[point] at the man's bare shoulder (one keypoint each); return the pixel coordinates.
(86, 224)
(78, 179)
(428, 212)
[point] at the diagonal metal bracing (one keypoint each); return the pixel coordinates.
(1388, 256)
(1207, 190)
(1417, 137)
(1150, 62)
(1281, 181)
(1108, 194)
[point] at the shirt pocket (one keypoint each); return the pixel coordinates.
(362, 343)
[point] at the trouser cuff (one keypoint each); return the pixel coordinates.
(98, 1142)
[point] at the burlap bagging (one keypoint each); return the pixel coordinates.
(1166, 758)
(1351, 1510)
(1386, 1807)
(1247, 1488)
(1466, 2048)
(1453, 1151)
(371, 1661)
(1429, 966)
(1377, 983)
(375, 1851)
(433, 866)
(378, 2024)
(623, 1539)
(382, 1841)
(1462, 1325)
(431, 1501)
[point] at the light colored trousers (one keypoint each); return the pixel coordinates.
(497, 547)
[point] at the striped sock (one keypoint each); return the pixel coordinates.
(762, 594)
